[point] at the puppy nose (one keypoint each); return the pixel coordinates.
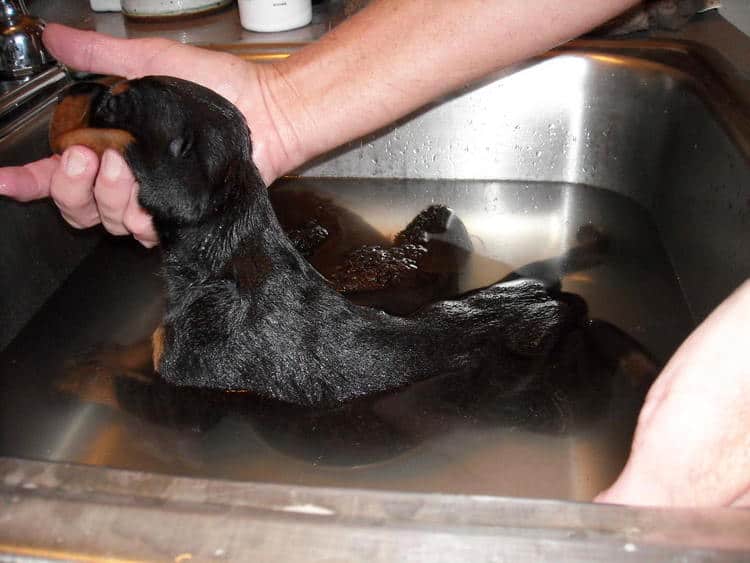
(108, 109)
(111, 101)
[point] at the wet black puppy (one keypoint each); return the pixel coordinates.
(244, 309)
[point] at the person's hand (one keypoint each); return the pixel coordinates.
(88, 191)
(692, 443)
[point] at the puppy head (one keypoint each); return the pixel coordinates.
(181, 140)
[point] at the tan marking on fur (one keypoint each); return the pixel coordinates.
(120, 88)
(111, 80)
(157, 341)
(71, 113)
(97, 140)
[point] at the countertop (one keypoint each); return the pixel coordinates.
(221, 27)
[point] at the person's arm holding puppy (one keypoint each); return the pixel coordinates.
(387, 60)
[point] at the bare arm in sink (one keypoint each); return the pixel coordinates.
(692, 444)
(389, 59)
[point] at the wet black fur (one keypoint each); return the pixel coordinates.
(246, 311)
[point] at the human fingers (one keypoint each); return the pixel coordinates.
(28, 182)
(99, 53)
(134, 58)
(71, 187)
(112, 190)
(116, 195)
(138, 222)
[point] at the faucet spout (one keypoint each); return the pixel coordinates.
(22, 53)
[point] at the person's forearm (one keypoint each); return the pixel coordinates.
(396, 55)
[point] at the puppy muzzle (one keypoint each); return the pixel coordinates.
(71, 122)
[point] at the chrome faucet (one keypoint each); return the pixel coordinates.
(22, 53)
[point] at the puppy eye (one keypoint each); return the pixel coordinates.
(180, 146)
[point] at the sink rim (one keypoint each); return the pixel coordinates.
(362, 521)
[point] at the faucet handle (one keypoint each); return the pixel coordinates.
(22, 52)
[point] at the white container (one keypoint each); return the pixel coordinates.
(274, 15)
(143, 9)
(105, 5)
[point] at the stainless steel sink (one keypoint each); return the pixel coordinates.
(648, 142)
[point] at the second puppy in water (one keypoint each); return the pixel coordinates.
(244, 310)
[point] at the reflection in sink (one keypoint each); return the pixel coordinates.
(641, 150)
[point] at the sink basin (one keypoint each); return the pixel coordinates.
(647, 142)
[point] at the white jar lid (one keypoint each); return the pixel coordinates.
(274, 15)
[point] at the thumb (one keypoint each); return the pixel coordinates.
(32, 181)
(95, 52)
